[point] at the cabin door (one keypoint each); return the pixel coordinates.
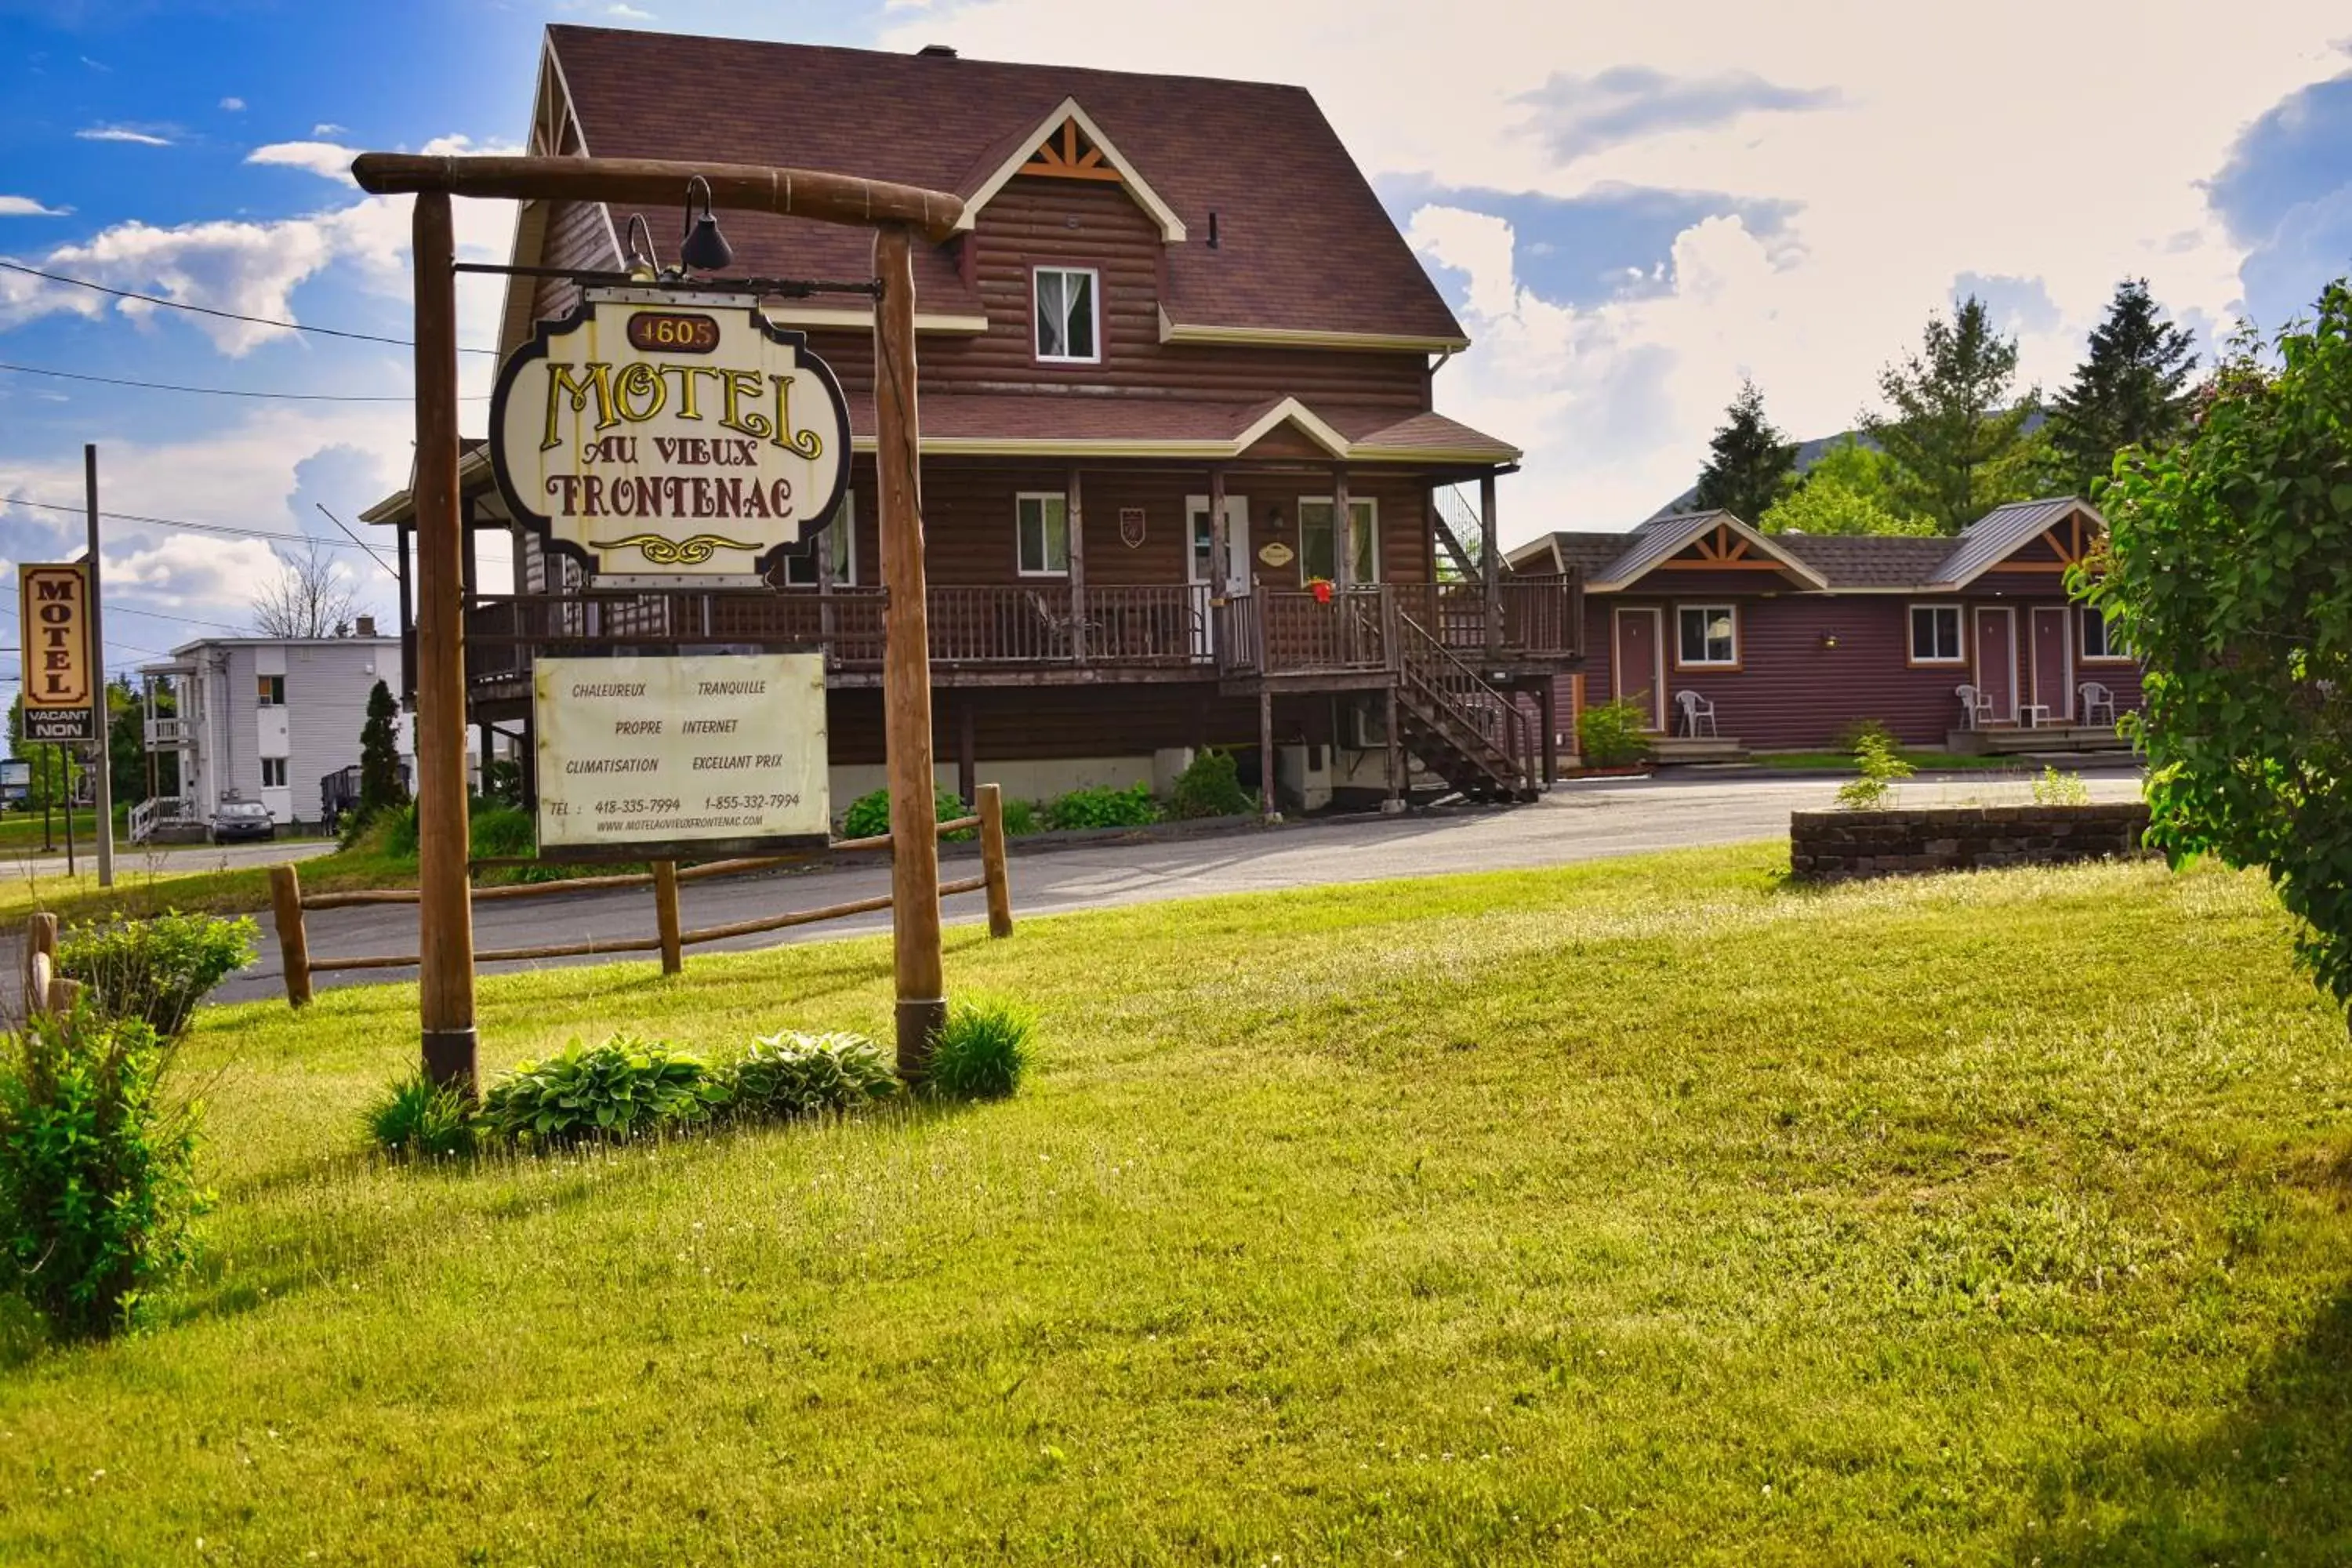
(1200, 543)
(2053, 667)
(1640, 665)
(1997, 662)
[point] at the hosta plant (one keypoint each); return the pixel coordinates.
(621, 1089)
(790, 1075)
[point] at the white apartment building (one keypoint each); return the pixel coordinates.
(262, 719)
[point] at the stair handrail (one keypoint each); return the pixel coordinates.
(1429, 664)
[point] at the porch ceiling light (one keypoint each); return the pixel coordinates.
(703, 250)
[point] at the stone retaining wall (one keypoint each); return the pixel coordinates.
(1832, 845)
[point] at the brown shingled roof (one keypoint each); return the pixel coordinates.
(1869, 561)
(1289, 199)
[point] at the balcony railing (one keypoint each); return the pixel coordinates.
(1039, 624)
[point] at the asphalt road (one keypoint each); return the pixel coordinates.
(1576, 822)
(133, 860)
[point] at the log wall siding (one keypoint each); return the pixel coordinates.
(1791, 692)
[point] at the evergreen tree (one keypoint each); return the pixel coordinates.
(1959, 442)
(1750, 464)
(380, 784)
(2132, 389)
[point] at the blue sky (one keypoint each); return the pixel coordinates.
(1630, 211)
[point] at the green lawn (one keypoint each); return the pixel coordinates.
(1926, 762)
(1639, 1213)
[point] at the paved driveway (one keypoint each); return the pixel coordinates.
(1576, 822)
(134, 860)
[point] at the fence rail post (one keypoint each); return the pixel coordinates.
(293, 941)
(40, 960)
(673, 949)
(992, 859)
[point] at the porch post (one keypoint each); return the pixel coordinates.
(825, 583)
(1077, 520)
(1395, 758)
(407, 692)
(1264, 752)
(1490, 565)
(1551, 730)
(966, 752)
(1343, 561)
(1220, 547)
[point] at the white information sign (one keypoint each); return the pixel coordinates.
(690, 751)
(656, 436)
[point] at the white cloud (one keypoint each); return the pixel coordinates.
(123, 134)
(27, 206)
(233, 105)
(628, 13)
(326, 159)
(326, 128)
(1965, 157)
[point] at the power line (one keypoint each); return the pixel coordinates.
(224, 315)
(222, 391)
(78, 509)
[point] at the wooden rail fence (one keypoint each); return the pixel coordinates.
(288, 903)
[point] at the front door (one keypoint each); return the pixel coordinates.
(1200, 543)
(1640, 667)
(1997, 662)
(2052, 688)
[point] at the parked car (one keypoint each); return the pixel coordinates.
(238, 819)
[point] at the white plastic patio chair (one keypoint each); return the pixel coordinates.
(1696, 710)
(2098, 699)
(1975, 707)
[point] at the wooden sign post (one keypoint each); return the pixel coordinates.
(897, 213)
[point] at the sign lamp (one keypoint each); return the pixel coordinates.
(703, 250)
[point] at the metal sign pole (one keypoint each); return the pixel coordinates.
(103, 752)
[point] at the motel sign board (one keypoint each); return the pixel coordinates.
(53, 608)
(670, 439)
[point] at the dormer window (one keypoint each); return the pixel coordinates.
(1068, 328)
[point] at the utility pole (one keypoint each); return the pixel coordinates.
(101, 786)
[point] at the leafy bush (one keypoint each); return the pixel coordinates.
(618, 1090)
(1211, 786)
(1106, 808)
(982, 1050)
(868, 815)
(155, 970)
(785, 1075)
(1613, 734)
(1882, 766)
(98, 1194)
(1022, 817)
(2054, 788)
(417, 1119)
(497, 831)
(1852, 737)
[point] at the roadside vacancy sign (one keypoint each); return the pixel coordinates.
(670, 439)
(53, 609)
(661, 757)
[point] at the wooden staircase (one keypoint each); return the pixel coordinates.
(1461, 729)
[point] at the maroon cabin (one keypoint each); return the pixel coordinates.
(1784, 642)
(1171, 296)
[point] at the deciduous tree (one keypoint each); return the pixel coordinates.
(309, 598)
(1748, 467)
(2227, 573)
(1956, 432)
(1850, 489)
(2131, 390)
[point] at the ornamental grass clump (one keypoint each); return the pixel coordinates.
(155, 970)
(982, 1050)
(98, 1191)
(784, 1077)
(416, 1119)
(621, 1089)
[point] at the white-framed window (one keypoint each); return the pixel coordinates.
(273, 773)
(2097, 640)
(1042, 522)
(1068, 314)
(1705, 635)
(273, 691)
(1935, 635)
(841, 538)
(1315, 557)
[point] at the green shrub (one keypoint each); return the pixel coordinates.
(98, 1194)
(2054, 788)
(500, 831)
(618, 1090)
(417, 1119)
(1613, 734)
(1106, 808)
(982, 1050)
(785, 1075)
(1850, 739)
(1882, 765)
(1022, 817)
(868, 815)
(155, 970)
(1210, 785)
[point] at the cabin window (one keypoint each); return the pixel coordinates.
(1315, 557)
(841, 538)
(273, 773)
(1067, 322)
(1935, 635)
(2099, 639)
(1709, 634)
(1044, 526)
(273, 691)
